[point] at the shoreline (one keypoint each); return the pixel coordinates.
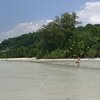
(43, 60)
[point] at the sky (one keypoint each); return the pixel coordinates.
(19, 17)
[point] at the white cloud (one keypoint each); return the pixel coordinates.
(23, 28)
(90, 13)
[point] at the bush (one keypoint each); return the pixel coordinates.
(56, 54)
(91, 53)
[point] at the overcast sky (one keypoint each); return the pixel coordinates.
(23, 16)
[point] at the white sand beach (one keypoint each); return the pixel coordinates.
(43, 60)
(49, 79)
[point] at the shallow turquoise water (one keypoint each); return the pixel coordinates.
(50, 80)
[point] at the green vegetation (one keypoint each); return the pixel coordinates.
(59, 39)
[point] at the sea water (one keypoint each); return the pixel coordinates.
(50, 80)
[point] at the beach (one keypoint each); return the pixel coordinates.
(43, 60)
(49, 79)
(71, 62)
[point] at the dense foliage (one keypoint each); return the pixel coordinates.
(61, 38)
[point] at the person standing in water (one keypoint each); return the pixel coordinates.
(78, 61)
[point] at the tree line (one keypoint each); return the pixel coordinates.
(64, 37)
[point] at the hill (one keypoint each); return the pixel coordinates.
(59, 39)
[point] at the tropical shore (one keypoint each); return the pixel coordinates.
(43, 60)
